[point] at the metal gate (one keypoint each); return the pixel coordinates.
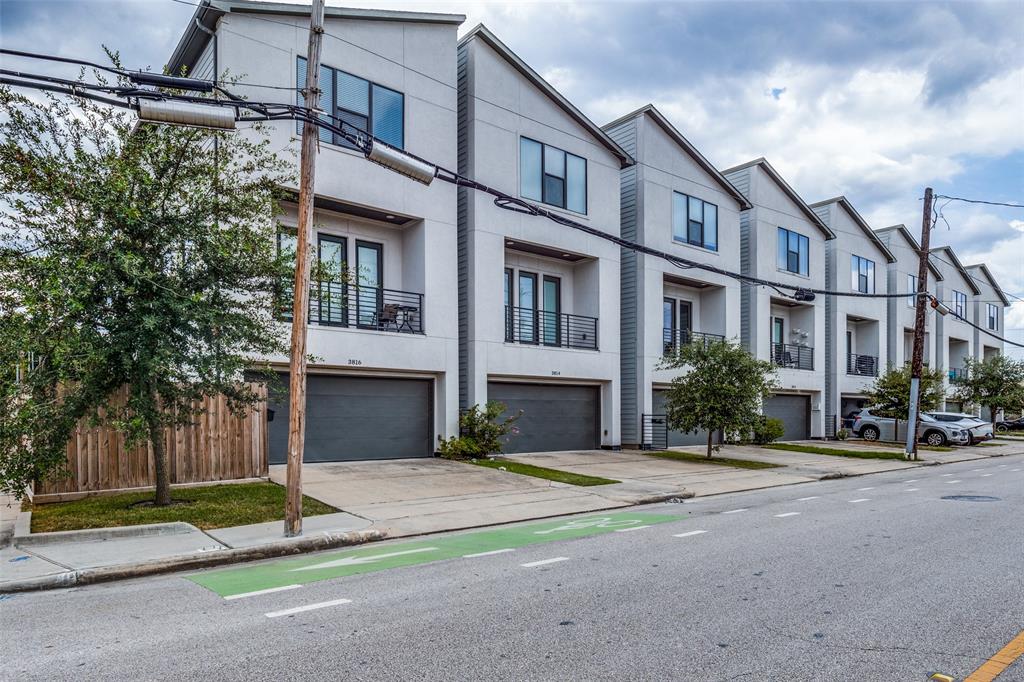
(653, 432)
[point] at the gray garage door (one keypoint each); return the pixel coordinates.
(554, 417)
(358, 418)
(795, 413)
(678, 437)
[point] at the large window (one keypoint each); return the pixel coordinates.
(794, 252)
(862, 272)
(552, 176)
(959, 303)
(912, 290)
(368, 106)
(694, 221)
(993, 316)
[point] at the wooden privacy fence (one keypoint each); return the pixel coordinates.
(218, 446)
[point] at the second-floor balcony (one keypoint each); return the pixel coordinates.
(674, 339)
(336, 304)
(547, 328)
(861, 365)
(793, 356)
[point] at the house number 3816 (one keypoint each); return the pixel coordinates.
(354, 362)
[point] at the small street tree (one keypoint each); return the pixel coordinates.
(135, 256)
(996, 382)
(890, 394)
(722, 389)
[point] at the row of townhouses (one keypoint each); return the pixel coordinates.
(454, 302)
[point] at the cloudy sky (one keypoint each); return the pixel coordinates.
(871, 100)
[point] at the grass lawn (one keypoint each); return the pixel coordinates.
(213, 506)
(815, 450)
(700, 458)
(542, 472)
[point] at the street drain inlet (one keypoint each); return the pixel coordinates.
(971, 498)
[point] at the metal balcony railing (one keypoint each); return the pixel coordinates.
(957, 373)
(336, 304)
(861, 365)
(674, 339)
(793, 356)
(544, 328)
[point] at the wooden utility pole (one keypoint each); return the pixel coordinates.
(917, 360)
(300, 310)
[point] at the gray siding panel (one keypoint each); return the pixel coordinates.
(625, 136)
(747, 291)
(462, 227)
(204, 66)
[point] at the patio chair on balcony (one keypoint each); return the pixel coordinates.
(388, 317)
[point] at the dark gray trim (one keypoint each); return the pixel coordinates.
(787, 190)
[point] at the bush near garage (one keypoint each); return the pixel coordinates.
(767, 430)
(480, 432)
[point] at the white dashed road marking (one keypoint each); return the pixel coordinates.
(911, 490)
(861, 499)
(782, 516)
(913, 480)
(955, 481)
(259, 592)
(804, 499)
(544, 562)
(626, 530)
(862, 489)
(735, 511)
(492, 552)
(947, 474)
(984, 475)
(307, 607)
(689, 534)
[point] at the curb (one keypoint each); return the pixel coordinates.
(90, 576)
(23, 537)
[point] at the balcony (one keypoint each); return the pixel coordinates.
(544, 328)
(336, 304)
(861, 365)
(792, 356)
(957, 373)
(674, 339)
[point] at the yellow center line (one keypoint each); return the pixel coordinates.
(1003, 659)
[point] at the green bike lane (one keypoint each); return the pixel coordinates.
(286, 573)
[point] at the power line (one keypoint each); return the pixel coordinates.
(979, 201)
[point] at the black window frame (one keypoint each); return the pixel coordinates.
(992, 316)
(912, 291)
(544, 175)
(865, 283)
(960, 303)
(337, 140)
(285, 288)
(682, 234)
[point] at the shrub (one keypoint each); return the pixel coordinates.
(480, 432)
(767, 429)
(842, 434)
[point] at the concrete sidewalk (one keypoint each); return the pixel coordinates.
(40, 560)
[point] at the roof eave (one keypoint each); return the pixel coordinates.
(909, 238)
(789, 191)
(522, 67)
(861, 223)
(992, 281)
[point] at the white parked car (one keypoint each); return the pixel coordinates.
(979, 429)
(870, 426)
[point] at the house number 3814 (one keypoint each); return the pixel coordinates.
(555, 373)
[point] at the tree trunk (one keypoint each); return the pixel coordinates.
(710, 435)
(163, 480)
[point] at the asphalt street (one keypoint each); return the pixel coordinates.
(867, 578)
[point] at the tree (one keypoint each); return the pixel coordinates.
(722, 390)
(889, 396)
(136, 256)
(996, 382)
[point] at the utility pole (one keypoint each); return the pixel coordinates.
(300, 310)
(917, 359)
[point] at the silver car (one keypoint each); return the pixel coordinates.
(870, 426)
(979, 429)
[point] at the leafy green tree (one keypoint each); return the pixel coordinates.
(130, 255)
(996, 382)
(722, 389)
(889, 396)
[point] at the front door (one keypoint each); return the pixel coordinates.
(370, 278)
(330, 287)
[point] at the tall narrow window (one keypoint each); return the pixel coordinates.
(369, 278)
(794, 252)
(993, 316)
(912, 290)
(551, 331)
(960, 303)
(554, 176)
(286, 244)
(329, 288)
(531, 174)
(527, 307)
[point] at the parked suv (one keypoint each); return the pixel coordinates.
(979, 429)
(870, 426)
